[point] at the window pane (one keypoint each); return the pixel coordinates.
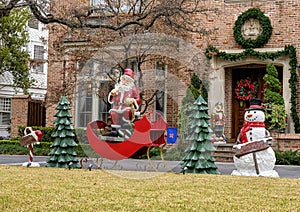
(5, 119)
(33, 23)
(104, 108)
(38, 55)
(38, 52)
(97, 2)
(160, 73)
(39, 68)
(5, 104)
(85, 105)
(117, 5)
(5, 110)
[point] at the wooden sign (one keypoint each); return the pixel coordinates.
(251, 147)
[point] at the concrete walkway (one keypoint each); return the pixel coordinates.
(142, 165)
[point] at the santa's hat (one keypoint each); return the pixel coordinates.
(129, 74)
(255, 104)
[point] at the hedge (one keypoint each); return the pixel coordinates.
(14, 148)
(80, 134)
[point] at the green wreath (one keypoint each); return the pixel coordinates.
(264, 22)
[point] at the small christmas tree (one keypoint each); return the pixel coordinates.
(192, 93)
(62, 154)
(199, 158)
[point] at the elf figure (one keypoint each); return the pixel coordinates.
(218, 123)
(254, 155)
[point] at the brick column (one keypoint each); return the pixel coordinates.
(19, 113)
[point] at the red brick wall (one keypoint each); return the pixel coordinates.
(19, 113)
(286, 142)
(217, 24)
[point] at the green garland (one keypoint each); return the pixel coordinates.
(287, 51)
(265, 24)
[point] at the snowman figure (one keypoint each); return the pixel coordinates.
(254, 155)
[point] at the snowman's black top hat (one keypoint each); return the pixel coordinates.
(255, 104)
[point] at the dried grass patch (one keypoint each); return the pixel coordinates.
(52, 189)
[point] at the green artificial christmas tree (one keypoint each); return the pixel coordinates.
(192, 93)
(62, 154)
(199, 158)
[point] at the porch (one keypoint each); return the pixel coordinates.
(281, 142)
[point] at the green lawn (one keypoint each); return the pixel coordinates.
(53, 189)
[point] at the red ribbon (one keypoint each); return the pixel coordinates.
(246, 127)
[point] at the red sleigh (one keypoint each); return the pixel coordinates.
(146, 134)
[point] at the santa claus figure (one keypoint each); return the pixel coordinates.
(125, 99)
(254, 155)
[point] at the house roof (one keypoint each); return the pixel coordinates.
(41, 80)
(6, 79)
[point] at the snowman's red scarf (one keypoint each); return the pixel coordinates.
(246, 127)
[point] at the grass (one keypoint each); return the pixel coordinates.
(53, 189)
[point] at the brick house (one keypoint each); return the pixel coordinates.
(219, 21)
(13, 103)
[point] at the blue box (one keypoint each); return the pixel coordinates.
(171, 135)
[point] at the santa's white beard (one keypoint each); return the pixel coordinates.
(124, 88)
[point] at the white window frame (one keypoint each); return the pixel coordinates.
(124, 8)
(5, 109)
(39, 55)
(84, 95)
(241, 1)
(103, 113)
(94, 111)
(160, 75)
(33, 23)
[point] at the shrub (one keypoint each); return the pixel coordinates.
(43, 149)
(273, 97)
(47, 132)
(287, 157)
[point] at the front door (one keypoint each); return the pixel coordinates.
(255, 73)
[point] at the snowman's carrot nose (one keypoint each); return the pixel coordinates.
(249, 115)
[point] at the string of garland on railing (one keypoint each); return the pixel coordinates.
(289, 51)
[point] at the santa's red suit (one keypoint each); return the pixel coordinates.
(125, 99)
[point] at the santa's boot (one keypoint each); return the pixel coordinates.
(125, 131)
(115, 129)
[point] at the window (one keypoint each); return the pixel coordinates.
(5, 111)
(33, 23)
(38, 56)
(160, 73)
(116, 5)
(38, 52)
(104, 106)
(241, 1)
(97, 2)
(85, 105)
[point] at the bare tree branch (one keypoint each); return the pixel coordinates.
(112, 14)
